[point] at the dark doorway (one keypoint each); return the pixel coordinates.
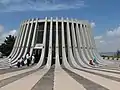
(37, 53)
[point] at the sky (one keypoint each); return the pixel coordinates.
(103, 15)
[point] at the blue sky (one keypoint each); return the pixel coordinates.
(104, 15)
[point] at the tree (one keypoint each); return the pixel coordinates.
(7, 46)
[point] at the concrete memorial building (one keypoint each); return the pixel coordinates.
(56, 38)
(63, 50)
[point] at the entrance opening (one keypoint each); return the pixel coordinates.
(37, 53)
(53, 42)
(60, 41)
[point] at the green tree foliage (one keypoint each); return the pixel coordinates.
(7, 46)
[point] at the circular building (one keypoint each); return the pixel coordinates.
(55, 39)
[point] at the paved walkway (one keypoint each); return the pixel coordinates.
(59, 78)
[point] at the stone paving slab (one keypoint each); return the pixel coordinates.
(109, 76)
(13, 69)
(62, 81)
(107, 83)
(46, 82)
(89, 85)
(27, 82)
(14, 78)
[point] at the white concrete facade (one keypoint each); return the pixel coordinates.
(66, 43)
(79, 41)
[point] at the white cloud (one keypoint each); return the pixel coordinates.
(114, 33)
(109, 41)
(4, 34)
(102, 41)
(98, 37)
(1, 28)
(39, 5)
(93, 24)
(12, 32)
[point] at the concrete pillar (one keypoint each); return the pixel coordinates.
(50, 42)
(75, 47)
(17, 39)
(70, 54)
(87, 42)
(80, 49)
(18, 47)
(44, 48)
(28, 40)
(34, 34)
(22, 43)
(57, 61)
(84, 43)
(64, 58)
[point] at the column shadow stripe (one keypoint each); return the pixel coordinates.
(47, 81)
(87, 84)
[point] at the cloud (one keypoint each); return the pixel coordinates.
(1, 28)
(39, 5)
(4, 34)
(108, 41)
(93, 24)
(12, 32)
(114, 33)
(102, 41)
(98, 37)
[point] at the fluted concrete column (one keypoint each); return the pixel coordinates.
(87, 42)
(22, 43)
(70, 54)
(50, 41)
(75, 46)
(80, 49)
(84, 43)
(91, 44)
(73, 35)
(64, 57)
(44, 48)
(57, 61)
(94, 49)
(17, 39)
(83, 51)
(34, 34)
(28, 40)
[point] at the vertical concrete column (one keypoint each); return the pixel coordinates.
(90, 41)
(44, 48)
(64, 57)
(18, 47)
(50, 42)
(26, 34)
(73, 35)
(70, 54)
(34, 34)
(87, 41)
(93, 46)
(17, 39)
(75, 47)
(28, 41)
(80, 49)
(57, 61)
(84, 43)
(22, 43)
